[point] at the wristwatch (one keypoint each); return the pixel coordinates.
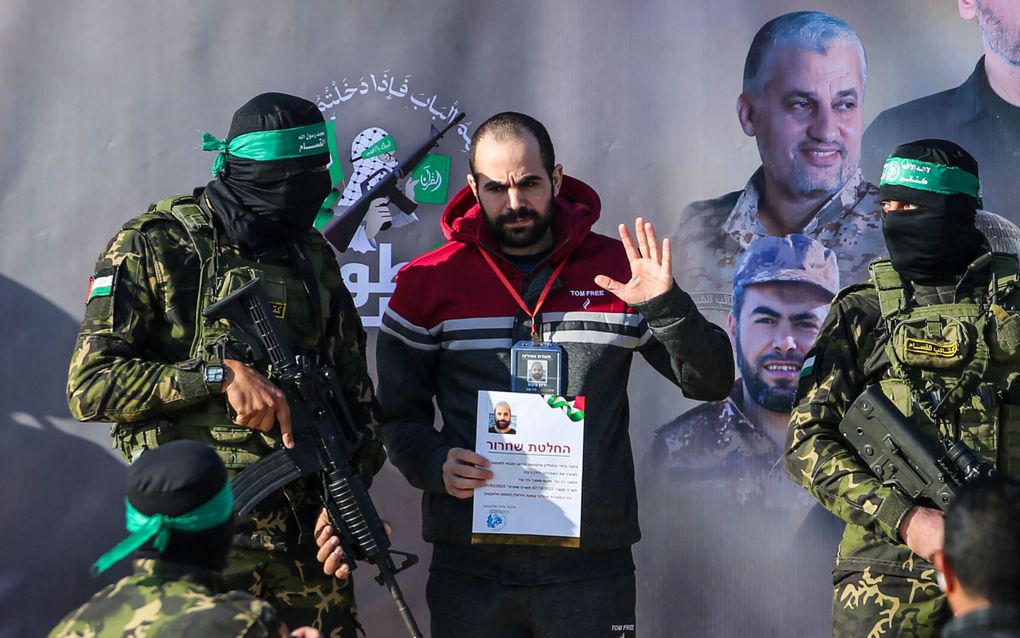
(214, 378)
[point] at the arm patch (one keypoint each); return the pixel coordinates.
(99, 300)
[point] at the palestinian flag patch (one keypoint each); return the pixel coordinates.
(101, 284)
(809, 365)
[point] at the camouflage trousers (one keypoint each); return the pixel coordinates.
(867, 605)
(293, 583)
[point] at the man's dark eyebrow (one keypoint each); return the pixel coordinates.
(810, 95)
(765, 310)
(526, 178)
(802, 316)
(807, 95)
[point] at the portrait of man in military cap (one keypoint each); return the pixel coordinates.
(781, 290)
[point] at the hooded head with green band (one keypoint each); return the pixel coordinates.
(178, 508)
(931, 233)
(270, 173)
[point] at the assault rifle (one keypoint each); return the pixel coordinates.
(341, 230)
(326, 438)
(901, 455)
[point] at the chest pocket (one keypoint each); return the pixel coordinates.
(303, 321)
(938, 343)
(1004, 337)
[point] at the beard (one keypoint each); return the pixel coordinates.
(998, 35)
(774, 398)
(520, 237)
(808, 183)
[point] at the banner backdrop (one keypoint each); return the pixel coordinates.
(103, 104)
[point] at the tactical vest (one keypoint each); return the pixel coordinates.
(954, 368)
(301, 309)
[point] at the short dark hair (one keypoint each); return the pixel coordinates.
(811, 30)
(982, 538)
(513, 125)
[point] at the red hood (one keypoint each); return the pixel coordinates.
(577, 209)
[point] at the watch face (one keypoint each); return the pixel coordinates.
(214, 374)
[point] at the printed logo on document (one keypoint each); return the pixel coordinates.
(496, 520)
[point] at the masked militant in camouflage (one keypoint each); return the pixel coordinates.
(146, 360)
(936, 329)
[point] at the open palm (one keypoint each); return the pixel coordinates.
(651, 267)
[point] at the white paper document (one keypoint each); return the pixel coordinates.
(534, 444)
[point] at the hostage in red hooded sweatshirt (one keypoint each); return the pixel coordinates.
(519, 237)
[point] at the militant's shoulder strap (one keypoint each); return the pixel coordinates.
(892, 292)
(1006, 279)
(185, 211)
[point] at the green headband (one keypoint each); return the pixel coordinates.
(157, 527)
(385, 145)
(928, 176)
(299, 141)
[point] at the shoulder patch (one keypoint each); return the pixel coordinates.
(808, 366)
(101, 284)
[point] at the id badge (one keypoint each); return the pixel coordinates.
(536, 368)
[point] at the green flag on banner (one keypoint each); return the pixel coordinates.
(336, 169)
(433, 175)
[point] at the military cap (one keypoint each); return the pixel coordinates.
(794, 258)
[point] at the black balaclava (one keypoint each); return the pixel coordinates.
(935, 243)
(262, 204)
(174, 479)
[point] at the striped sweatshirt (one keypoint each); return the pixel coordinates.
(448, 332)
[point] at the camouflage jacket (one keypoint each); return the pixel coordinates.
(849, 355)
(133, 360)
(171, 600)
(714, 233)
(716, 443)
(713, 441)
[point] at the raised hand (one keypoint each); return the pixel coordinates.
(651, 267)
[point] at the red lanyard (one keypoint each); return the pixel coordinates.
(517, 297)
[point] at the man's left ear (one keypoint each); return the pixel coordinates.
(473, 185)
(944, 572)
(557, 179)
(967, 9)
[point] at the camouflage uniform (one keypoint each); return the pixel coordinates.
(139, 360)
(171, 600)
(882, 588)
(714, 234)
(715, 443)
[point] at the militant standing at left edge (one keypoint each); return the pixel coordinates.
(145, 360)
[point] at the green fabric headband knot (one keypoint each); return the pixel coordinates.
(287, 143)
(931, 177)
(157, 527)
